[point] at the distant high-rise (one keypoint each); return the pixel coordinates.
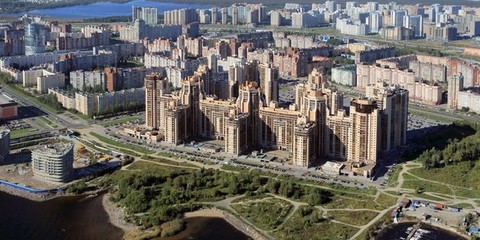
(415, 23)
(234, 15)
(214, 16)
(375, 22)
(372, 6)
(331, 6)
(182, 16)
(35, 38)
(224, 16)
(147, 14)
(455, 85)
(397, 17)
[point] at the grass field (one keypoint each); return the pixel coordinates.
(425, 186)
(340, 202)
(48, 122)
(459, 171)
(266, 213)
(308, 224)
(120, 121)
(358, 218)
(145, 166)
(20, 132)
(122, 145)
(427, 196)
(386, 200)
(393, 179)
(166, 161)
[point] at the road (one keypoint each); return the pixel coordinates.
(62, 119)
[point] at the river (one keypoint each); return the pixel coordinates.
(60, 218)
(85, 218)
(399, 231)
(108, 9)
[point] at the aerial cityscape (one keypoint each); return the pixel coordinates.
(158, 119)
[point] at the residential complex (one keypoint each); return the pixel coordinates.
(255, 121)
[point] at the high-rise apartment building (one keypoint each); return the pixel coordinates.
(365, 118)
(224, 16)
(268, 82)
(35, 38)
(455, 85)
(414, 22)
(182, 16)
(53, 162)
(156, 87)
(392, 103)
(375, 22)
(372, 6)
(303, 151)
(147, 14)
(397, 17)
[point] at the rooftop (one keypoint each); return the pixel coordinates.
(59, 148)
(5, 99)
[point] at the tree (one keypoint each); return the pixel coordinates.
(334, 41)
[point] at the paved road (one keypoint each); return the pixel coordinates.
(60, 118)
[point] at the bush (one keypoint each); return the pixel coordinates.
(173, 227)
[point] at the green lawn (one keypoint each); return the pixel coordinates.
(20, 132)
(427, 186)
(167, 161)
(145, 166)
(121, 145)
(358, 218)
(393, 179)
(267, 213)
(120, 121)
(358, 202)
(461, 172)
(427, 196)
(386, 200)
(307, 223)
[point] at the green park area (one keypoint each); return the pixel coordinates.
(120, 121)
(122, 145)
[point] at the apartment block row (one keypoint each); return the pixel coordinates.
(97, 104)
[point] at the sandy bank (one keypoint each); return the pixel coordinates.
(116, 214)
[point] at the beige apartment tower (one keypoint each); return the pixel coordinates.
(362, 145)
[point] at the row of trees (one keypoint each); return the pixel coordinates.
(164, 196)
(467, 149)
(51, 100)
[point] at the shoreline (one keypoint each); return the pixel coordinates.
(432, 225)
(30, 196)
(115, 216)
(229, 218)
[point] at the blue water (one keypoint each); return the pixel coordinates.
(108, 9)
